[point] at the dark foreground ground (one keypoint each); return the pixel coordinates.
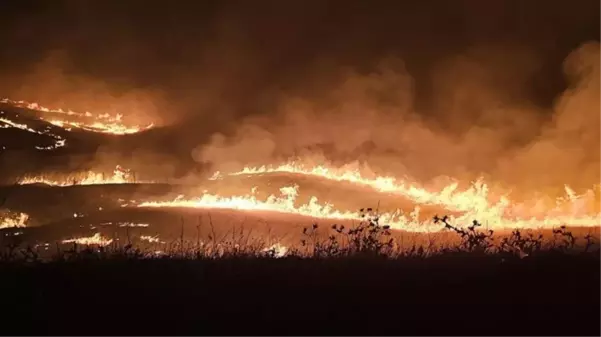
(549, 294)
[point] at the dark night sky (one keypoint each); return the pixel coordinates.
(176, 46)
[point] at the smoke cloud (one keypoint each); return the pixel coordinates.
(482, 123)
(54, 81)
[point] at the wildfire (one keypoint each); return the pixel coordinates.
(12, 222)
(96, 239)
(58, 140)
(474, 203)
(119, 176)
(103, 123)
(461, 201)
(284, 204)
(114, 127)
(277, 250)
(150, 239)
(131, 224)
(475, 200)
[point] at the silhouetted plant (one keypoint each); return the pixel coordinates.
(565, 237)
(590, 242)
(472, 240)
(524, 245)
(369, 237)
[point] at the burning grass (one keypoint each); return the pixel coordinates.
(58, 141)
(68, 119)
(495, 209)
(120, 176)
(366, 238)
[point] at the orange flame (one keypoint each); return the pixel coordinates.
(151, 239)
(119, 176)
(12, 222)
(96, 239)
(103, 123)
(59, 141)
(449, 197)
(277, 250)
(475, 203)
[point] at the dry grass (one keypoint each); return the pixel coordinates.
(338, 281)
(366, 238)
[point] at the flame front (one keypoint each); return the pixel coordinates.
(449, 197)
(119, 176)
(283, 204)
(14, 222)
(277, 250)
(103, 123)
(95, 239)
(151, 239)
(474, 203)
(58, 140)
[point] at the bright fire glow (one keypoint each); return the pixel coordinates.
(284, 204)
(474, 203)
(12, 222)
(103, 123)
(95, 239)
(119, 176)
(449, 197)
(150, 239)
(278, 250)
(476, 199)
(58, 140)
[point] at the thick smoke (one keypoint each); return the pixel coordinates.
(568, 146)
(482, 123)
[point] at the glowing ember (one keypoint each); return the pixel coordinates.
(119, 176)
(11, 222)
(475, 202)
(103, 123)
(96, 239)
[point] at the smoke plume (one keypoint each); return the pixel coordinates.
(482, 123)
